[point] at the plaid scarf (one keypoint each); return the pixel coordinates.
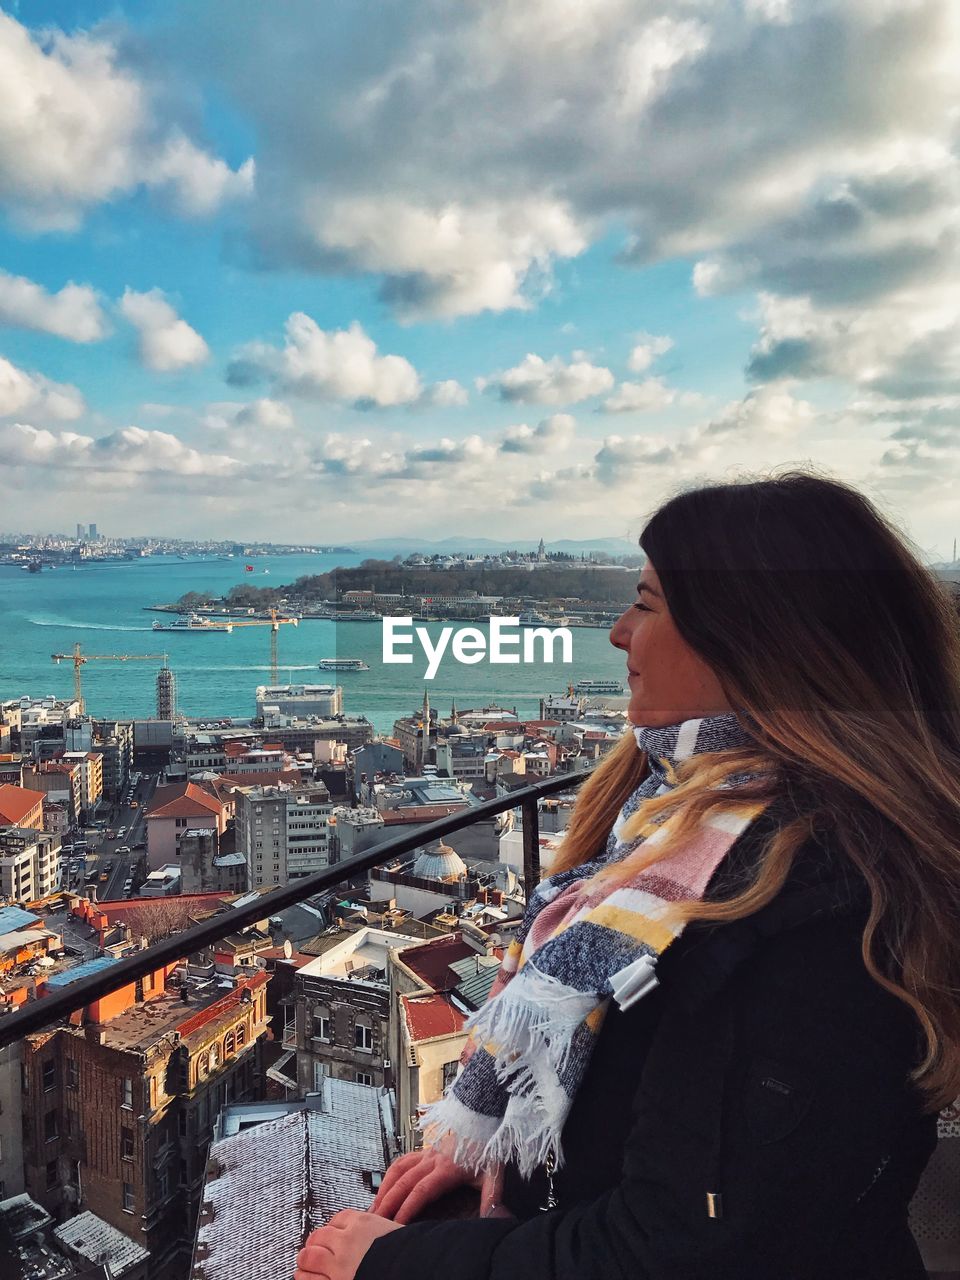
(582, 942)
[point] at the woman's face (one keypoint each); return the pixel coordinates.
(668, 682)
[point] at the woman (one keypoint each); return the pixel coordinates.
(720, 1050)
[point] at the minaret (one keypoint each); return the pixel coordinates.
(541, 551)
(426, 710)
(453, 711)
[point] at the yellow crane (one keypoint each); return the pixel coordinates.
(274, 622)
(78, 658)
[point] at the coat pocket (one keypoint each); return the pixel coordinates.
(776, 1097)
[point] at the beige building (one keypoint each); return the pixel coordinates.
(179, 808)
(90, 764)
(433, 988)
(29, 863)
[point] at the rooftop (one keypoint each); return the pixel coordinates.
(97, 1241)
(290, 1173)
(431, 1016)
(16, 918)
(16, 803)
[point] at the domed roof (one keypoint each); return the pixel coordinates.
(439, 863)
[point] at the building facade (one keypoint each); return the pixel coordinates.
(29, 863)
(119, 1113)
(283, 833)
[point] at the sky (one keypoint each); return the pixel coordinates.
(503, 268)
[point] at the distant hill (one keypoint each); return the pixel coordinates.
(449, 546)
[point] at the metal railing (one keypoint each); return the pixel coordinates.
(50, 1009)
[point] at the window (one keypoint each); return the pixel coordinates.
(182, 1124)
(363, 1037)
(320, 1069)
(241, 1035)
(153, 1092)
(50, 1126)
(49, 1076)
(450, 1072)
(52, 1175)
(128, 1197)
(127, 1092)
(73, 1074)
(322, 1029)
(228, 1043)
(363, 1077)
(163, 1183)
(126, 1143)
(69, 1126)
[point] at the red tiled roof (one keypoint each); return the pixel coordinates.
(431, 1016)
(431, 961)
(16, 803)
(183, 800)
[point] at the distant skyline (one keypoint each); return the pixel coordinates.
(529, 268)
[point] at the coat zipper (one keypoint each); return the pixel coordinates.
(550, 1166)
(880, 1168)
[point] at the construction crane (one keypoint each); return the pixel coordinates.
(274, 622)
(78, 658)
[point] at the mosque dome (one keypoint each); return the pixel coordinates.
(439, 862)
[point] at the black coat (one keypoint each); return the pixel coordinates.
(768, 1068)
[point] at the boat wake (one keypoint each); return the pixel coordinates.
(66, 624)
(310, 666)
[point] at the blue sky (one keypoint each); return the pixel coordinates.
(507, 270)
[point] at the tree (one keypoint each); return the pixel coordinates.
(158, 919)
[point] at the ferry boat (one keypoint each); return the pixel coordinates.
(193, 623)
(598, 686)
(343, 664)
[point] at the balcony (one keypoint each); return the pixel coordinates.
(172, 1212)
(55, 1009)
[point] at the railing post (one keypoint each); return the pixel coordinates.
(531, 844)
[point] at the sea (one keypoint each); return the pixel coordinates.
(105, 609)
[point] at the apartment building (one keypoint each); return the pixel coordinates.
(283, 832)
(119, 1112)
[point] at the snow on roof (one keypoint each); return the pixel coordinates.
(289, 1175)
(96, 1240)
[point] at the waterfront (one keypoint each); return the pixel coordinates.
(103, 608)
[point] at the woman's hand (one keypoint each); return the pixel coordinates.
(416, 1180)
(335, 1251)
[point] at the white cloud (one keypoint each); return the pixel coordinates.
(131, 449)
(340, 364)
(446, 259)
(73, 313)
(555, 432)
(269, 415)
(166, 343)
(197, 182)
(649, 347)
(640, 397)
(76, 129)
(22, 392)
(445, 395)
(538, 381)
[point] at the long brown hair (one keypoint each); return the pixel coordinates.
(840, 651)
